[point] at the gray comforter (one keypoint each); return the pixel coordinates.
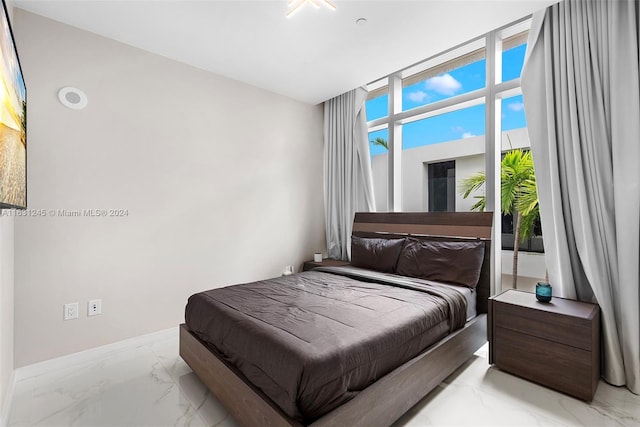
(312, 341)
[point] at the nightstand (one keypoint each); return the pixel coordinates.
(327, 262)
(556, 344)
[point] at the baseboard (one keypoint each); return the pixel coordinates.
(93, 354)
(7, 401)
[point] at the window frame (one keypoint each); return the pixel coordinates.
(494, 91)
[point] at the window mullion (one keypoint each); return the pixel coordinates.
(441, 107)
(493, 148)
(394, 202)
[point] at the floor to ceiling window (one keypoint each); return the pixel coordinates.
(436, 124)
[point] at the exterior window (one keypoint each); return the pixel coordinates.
(513, 116)
(515, 136)
(377, 107)
(461, 75)
(438, 118)
(455, 135)
(463, 124)
(442, 186)
(532, 244)
(531, 265)
(513, 52)
(379, 166)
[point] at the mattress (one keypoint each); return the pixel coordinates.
(312, 341)
(469, 294)
(471, 297)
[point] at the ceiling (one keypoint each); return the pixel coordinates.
(312, 56)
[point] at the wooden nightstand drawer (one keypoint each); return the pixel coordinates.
(567, 330)
(561, 367)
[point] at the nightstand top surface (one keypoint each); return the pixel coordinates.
(331, 262)
(557, 305)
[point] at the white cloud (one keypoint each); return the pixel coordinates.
(444, 84)
(516, 106)
(418, 96)
(463, 133)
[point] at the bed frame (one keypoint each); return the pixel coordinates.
(386, 400)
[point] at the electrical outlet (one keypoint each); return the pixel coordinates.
(94, 307)
(71, 311)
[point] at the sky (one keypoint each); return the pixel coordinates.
(459, 124)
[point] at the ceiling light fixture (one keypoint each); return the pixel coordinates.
(295, 5)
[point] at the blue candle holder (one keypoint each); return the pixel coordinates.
(543, 292)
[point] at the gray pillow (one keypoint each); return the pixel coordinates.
(442, 261)
(375, 254)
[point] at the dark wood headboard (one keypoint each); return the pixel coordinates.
(434, 226)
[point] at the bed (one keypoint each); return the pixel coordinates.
(330, 346)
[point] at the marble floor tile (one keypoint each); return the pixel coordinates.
(143, 386)
(150, 385)
(480, 395)
(207, 406)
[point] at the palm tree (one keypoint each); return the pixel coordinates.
(381, 142)
(518, 196)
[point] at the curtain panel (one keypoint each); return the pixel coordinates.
(348, 183)
(581, 93)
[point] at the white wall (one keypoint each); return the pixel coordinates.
(530, 264)
(6, 306)
(465, 167)
(222, 182)
(6, 292)
(380, 170)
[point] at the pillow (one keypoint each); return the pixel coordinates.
(375, 254)
(442, 261)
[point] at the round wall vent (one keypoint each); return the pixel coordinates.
(72, 97)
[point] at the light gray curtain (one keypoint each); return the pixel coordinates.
(582, 99)
(348, 184)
